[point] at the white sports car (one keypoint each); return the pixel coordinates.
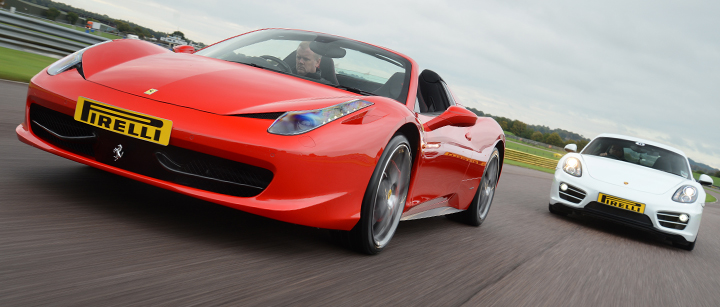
(634, 182)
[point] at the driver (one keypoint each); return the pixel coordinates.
(307, 63)
(615, 152)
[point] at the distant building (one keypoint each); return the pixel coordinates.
(173, 41)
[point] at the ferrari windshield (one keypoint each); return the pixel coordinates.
(640, 154)
(326, 59)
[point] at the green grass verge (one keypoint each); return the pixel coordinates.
(533, 145)
(21, 66)
(525, 165)
(531, 150)
(708, 197)
(716, 180)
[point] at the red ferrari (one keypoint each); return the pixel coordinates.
(298, 126)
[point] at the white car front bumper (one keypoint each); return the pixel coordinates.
(662, 223)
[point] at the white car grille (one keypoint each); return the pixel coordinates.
(572, 194)
(671, 220)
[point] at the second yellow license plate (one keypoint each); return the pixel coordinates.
(621, 203)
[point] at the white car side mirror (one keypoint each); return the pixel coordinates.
(571, 148)
(705, 180)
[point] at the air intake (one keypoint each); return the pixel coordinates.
(671, 220)
(272, 116)
(571, 194)
(62, 130)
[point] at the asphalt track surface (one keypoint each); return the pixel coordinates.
(74, 235)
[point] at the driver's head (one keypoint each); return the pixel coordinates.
(307, 61)
(616, 150)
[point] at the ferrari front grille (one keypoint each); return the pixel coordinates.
(572, 194)
(61, 130)
(671, 220)
(212, 173)
(170, 163)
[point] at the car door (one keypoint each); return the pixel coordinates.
(444, 155)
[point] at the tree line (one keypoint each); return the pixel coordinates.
(543, 134)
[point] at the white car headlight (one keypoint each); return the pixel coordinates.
(69, 61)
(685, 194)
(298, 122)
(572, 166)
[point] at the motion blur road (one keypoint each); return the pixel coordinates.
(74, 235)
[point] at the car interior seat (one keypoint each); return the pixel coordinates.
(393, 87)
(432, 92)
(664, 164)
(327, 67)
(421, 103)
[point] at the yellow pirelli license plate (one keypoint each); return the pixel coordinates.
(621, 203)
(122, 121)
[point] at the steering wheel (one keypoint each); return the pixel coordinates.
(285, 67)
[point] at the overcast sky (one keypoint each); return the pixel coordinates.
(649, 69)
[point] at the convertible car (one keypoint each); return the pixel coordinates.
(632, 181)
(298, 126)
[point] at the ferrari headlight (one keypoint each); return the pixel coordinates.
(298, 122)
(572, 166)
(685, 194)
(69, 61)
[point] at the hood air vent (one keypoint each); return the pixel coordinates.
(272, 116)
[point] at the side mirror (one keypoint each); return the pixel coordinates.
(453, 116)
(184, 49)
(705, 180)
(571, 148)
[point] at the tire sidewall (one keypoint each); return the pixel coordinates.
(362, 232)
(474, 210)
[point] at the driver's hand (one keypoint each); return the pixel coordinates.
(603, 154)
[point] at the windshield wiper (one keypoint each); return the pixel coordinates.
(354, 90)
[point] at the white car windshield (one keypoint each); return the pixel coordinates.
(326, 59)
(640, 154)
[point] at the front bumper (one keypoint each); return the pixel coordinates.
(653, 219)
(318, 178)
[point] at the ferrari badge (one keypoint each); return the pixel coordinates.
(117, 152)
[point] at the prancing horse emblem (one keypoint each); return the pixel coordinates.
(118, 153)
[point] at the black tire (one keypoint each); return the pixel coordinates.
(553, 210)
(479, 208)
(384, 198)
